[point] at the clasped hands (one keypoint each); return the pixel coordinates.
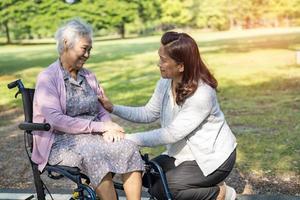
(113, 132)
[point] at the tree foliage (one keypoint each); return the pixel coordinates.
(21, 19)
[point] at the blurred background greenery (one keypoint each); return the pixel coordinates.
(29, 19)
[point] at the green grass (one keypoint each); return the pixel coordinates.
(259, 85)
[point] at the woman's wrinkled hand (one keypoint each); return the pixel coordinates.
(104, 100)
(111, 126)
(113, 136)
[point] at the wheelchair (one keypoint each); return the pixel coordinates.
(83, 191)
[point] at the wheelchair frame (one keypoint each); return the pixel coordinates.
(83, 190)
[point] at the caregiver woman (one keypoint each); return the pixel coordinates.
(200, 145)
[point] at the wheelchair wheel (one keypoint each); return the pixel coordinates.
(84, 192)
(87, 195)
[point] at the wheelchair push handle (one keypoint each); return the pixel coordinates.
(25, 126)
(15, 84)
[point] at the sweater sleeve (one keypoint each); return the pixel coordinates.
(47, 103)
(192, 114)
(144, 114)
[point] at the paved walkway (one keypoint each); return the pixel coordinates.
(21, 195)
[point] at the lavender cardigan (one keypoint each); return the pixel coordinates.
(49, 106)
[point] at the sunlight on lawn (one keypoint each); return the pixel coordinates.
(252, 67)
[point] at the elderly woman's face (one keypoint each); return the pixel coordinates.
(79, 53)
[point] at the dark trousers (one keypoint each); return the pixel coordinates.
(187, 182)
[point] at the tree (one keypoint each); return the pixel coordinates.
(121, 12)
(52, 14)
(14, 16)
(211, 14)
(284, 11)
(175, 13)
(40, 18)
(107, 14)
(149, 12)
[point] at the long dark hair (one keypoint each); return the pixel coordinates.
(183, 49)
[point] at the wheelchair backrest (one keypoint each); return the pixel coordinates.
(27, 98)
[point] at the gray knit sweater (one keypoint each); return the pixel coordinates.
(198, 127)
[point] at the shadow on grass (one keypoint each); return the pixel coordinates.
(109, 52)
(15, 64)
(20, 44)
(126, 85)
(265, 120)
(12, 63)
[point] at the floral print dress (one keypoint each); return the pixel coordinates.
(94, 156)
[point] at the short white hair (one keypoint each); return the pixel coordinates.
(71, 31)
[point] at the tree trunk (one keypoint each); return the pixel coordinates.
(122, 30)
(8, 41)
(232, 22)
(287, 21)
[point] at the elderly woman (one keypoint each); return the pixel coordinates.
(201, 149)
(82, 133)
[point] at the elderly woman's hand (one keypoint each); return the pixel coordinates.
(113, 136)
(104, 100)
(111, 126)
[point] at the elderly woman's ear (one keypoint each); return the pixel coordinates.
(66, 43)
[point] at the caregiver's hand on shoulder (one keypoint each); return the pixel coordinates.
(104, 100)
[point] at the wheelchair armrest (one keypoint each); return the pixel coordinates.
(27, 126)
(72, 173)
(71, 170)
(62, 168)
